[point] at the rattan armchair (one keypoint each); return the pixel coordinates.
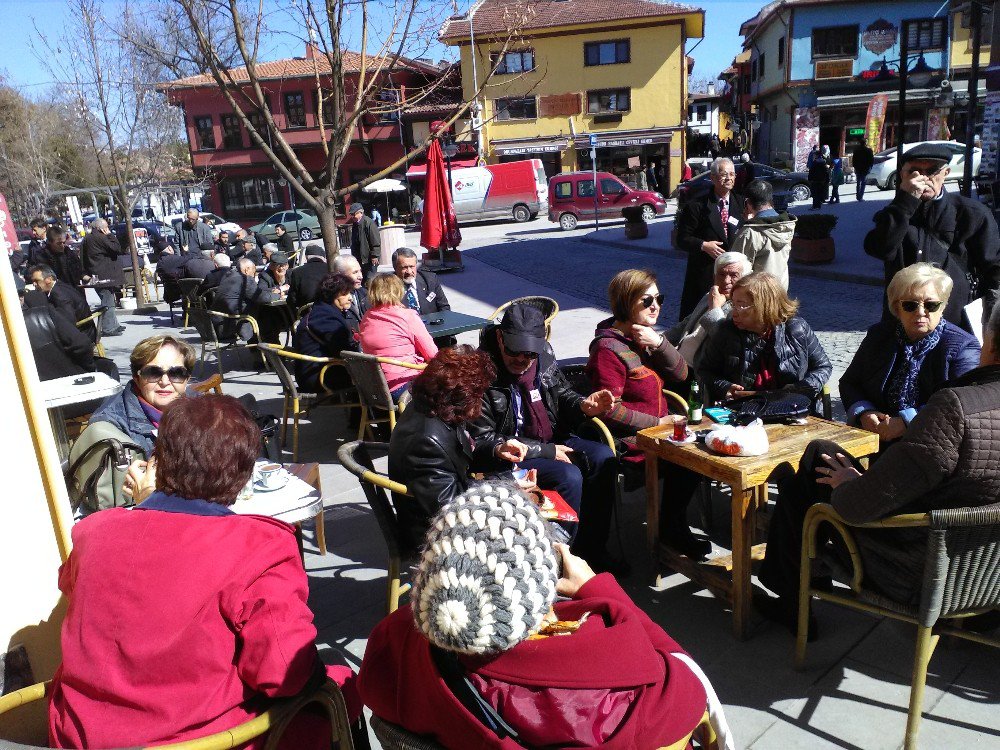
(92, 326)
(189, 291)
(548, 306)
(373, 390)
(204, 322)
(961, 577)
(272, 722)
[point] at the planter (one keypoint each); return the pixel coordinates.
(635, 226)
(813, 251)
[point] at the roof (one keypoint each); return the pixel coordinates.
(493, 17)
(748, 27)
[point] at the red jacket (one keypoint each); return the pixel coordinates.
(618, 655)
(178, 624)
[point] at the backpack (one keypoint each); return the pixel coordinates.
(98, 463)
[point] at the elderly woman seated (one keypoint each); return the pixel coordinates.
(901, 363)
(325, 331)
(185, 619)
(391, 329)
(484, 657)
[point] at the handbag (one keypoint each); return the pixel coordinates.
(774, 406)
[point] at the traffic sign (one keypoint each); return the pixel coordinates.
(593, 140)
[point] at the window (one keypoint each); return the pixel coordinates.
(753, 69)
(585, 189)
(327, 98)
(835, 41)
(519, 61)
(926, 34)
(781, 51)
(611, 187)
(564, 190)
(702, 112)
(206, 135)
(608, 100)
(249, 195)
(760, 65)
(232, 133)
(516, 109)
(607, 53)
(295, 110)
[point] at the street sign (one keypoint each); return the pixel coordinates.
(593, 140)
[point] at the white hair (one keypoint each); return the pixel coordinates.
(99, 224)
(346, 264)
(223, 261)
(270, 247)
(247, 265)
(718, 164)
(728, 259)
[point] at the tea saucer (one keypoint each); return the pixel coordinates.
(691, 437)
(259, 486)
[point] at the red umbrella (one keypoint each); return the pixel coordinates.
(439, 227)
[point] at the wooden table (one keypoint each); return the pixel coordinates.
(747, 476)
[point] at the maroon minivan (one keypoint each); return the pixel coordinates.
(571, 198)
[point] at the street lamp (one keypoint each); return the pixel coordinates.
(450, 151)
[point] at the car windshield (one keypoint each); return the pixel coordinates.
(887, 152)
(307, 211)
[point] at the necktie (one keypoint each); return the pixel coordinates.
(724, 212)
(411, 299)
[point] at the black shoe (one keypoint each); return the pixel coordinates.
(683, 541)
(786, 613)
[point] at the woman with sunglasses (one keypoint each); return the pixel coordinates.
(901, 363)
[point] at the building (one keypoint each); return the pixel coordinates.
(736, 100)
(243, 185)
(704, 112)
(567, 71)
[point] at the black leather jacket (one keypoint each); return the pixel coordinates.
(498, 423)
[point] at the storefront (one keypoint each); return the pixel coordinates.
(627, 153)
(548, 150)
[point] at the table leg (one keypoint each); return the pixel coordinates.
(744, 510)
(652, 501)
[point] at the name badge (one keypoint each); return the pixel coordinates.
(733, 221)
(535, 395)
(431, 296)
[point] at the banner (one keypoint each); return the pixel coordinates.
(8, 235)
(875, 120)
(937, 125)
(806, 135)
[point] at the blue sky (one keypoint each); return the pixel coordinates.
(20, 67)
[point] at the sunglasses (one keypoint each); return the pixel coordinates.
(911, 305)
(154, 374)
(519, 355)
(649, 299)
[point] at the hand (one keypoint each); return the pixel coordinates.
(734, 391)
(575, 572)
(646, 336)
(870, 420)
(712, 248)
(562, 454)
(716, 299)
(837, 471)
(915, 184)
(144, 479)
(892, 428)
(512, 450)
(133, 476)
(597, 403)
(529, 482)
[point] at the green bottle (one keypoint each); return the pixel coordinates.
(695, 406)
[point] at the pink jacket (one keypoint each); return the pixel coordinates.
(397, 332)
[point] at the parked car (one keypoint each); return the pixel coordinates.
(572, 198)
(214, 220)
(795, 184)
(884, 173)
(307, 220)
(154, 229)
(514, 190)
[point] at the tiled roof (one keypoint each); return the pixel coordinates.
(500, 16)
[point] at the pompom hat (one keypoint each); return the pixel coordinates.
(487, 576)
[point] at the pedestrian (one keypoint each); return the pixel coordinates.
(366, 245)
(101, 252)
(651, 176)
(819, 164)
(836, 180)
(195, 235)
(376, 216)
(417, 208)
(863, 159)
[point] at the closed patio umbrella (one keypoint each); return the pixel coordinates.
(439, 226)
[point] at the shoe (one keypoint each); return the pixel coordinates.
(785, 612)
(686, 543)
(116, 332)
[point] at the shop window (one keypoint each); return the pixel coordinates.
(518, 61)
(608, 100)
(585, 189)
(250, 195)
(516, 108)
(232, 133)
(295, 110)
(564, 190)
(607, 53)
(781, 51)
(206, 134)
(835, 41)
(927, 34)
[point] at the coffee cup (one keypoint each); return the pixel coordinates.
(270, 475)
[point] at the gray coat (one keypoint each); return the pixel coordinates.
(197, 237)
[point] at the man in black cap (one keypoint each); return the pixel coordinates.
(366, 245)
(304, 280)
(925, 224)
(529, 417)
(273, 277)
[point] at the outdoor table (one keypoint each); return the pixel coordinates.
(452, 323)
(298, 501)
(66, 391)
(747, 476)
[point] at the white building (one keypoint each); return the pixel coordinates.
(703, 112)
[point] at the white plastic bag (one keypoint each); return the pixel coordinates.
(731, 440)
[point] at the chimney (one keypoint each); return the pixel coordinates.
(312, 51)
(711, 88)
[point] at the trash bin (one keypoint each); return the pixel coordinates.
(781, 200)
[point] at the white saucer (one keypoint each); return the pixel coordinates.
(259, 486)
(691, 437)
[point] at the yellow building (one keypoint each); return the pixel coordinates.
(549, 75)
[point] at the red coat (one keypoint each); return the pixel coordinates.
(178, 624)
(618, 654)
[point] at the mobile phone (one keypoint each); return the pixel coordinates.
(84, 380)
(435, 321)
(719, 414)
(520, 473)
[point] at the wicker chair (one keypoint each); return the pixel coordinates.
(272, 722)
(91, 325)
(548, 306)
(212, 384)
(189, 292)
(373, 389)
(204, 322)
(961, 577)
(356, 458)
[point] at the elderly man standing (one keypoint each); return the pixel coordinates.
(366, 244)
(349, 266)
(765, 236)
(926, 224)
(195, 235)
(304, 280)
(706, 228)
(101, 252)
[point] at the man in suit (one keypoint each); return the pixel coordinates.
(240, 294)
(349, 266)
(67, 300)
(195, 235)
(366, 244)
(37, 242)
(706, 228)
(61, 258)
(197, 265)
(423, 291)
(304, 280)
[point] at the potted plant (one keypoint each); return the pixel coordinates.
(812, 242)
(635, 226)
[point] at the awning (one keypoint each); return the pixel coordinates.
(527, 146)
(420, 170)
(618, 138)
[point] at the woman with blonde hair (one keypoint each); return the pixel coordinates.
(901, 363)
(391, 329)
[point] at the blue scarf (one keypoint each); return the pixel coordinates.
(902, 391)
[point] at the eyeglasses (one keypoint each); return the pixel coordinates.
(911, 305)
(925, 171)
(743, 307)
(519, 355)
(154, 374)
(649, 299)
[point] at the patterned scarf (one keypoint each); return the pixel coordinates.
(902, 391)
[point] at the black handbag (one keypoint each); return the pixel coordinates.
(775, 406)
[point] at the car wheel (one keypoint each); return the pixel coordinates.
(521, 214)
(305, 234)
(801, 192)
(648, 212)
(893, 182)
(567, 221)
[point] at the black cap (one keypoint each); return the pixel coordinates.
(315, 251)
(523, 329)
(279, 258)
(928, 151)
(355, 207)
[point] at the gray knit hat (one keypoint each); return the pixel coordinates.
(488, 573)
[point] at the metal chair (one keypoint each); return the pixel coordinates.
(356, 458)
(548, 306)
(296, 402)
(94, 319)
(189, 292)
(204, 322)
(373, 390)
(961, 577)
(144, 276)
(302, 311)
(272, 722)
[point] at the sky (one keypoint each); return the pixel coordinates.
(21, 69)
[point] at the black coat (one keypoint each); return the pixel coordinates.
(366, 244)
(956, 233)
(67, 265)
(304, 281)
(863, 159)
(700, 221)
(731, 356)
(170, 269)
(212, 281)
(197, 266)
(323, 332)
(101, 253)
(359, 306)
(59, 347)
(430, 293)
(69, 301)
(286, 243)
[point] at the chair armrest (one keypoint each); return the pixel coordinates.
(605, 433)
(289, 354)
(214, 383)
(366, 475)
(399, 363)
(677, 399)
(92, 318)
(24, 696)
(229, 316)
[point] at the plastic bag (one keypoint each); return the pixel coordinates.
(730, 440)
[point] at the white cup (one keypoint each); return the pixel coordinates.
(270, 475)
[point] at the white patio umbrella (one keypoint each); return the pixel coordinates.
(385, 185)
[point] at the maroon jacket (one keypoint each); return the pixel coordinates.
(619, 662)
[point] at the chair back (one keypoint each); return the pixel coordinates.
(208, 385)
(302, 311)
(548, 306)
(189, 289)
(369, 379)
(273, 356)
(203, 323)
(356, 458)
(394, 737)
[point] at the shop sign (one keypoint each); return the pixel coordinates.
(855, 131)
(806, 135)
(875, 120)
(520, 150)
(879, 36)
